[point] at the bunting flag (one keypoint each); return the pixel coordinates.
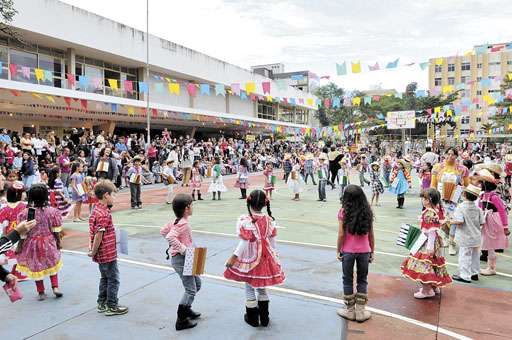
(393, 64)
(71, 79)
(367, 100)
(424, 65)
(83, 103)
(16, 93)
(336, 102)
(266, 87)
(131, 110)
(50, 99)
(48, 75)
(204, 89)
(159, 87)
(250, 87)
(439, 61)
(309, 101)
(220, 90)
(39, 74)
(154, 112)
(174, 88)
(112, 83)
(356, 101)
(235, 89)
(97, 83)
(143, 87)
(36, 95)
(1, 68)
(509, 76)
(128, 86)
(25, 71)
(83, 81)
(341, 69)
(67, 100)
(356, 67)
(192, 89)
(13, 68)
(374, 67)
(113, 107)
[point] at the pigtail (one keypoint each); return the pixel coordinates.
(269, 212)
(249, 210)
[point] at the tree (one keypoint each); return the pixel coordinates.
(7, 13)
(329, 91)
(504, 118)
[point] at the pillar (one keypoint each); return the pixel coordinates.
(70, 63)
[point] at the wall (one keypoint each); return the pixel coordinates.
(211, 102)
(242, 107)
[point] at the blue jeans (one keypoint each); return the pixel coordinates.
(321, 189)
(192, 284)
(362, 261)
(109, 284)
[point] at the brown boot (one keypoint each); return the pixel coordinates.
(491, 267)
(349, 312)
(361, 313)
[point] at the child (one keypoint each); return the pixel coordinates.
(103, 249)
(255, 260)
(179, 236)
(195, 181)
(426, 176)
(309, 166)
(56, 192)
(169, 179)
(323, 173)
(427, 265)
(8, 219)
(386, 170)
(495, 229)
(39, 254)
(295, 182)
(78, 191)
(269, 183)
(343, 177)
(89, 184)
(135, 176)
(242, 181)
(356, 244)
(377, 187)
(217, 185)
(403, 182)
(468, 219)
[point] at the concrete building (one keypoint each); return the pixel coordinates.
(489, 61)
(60, 77)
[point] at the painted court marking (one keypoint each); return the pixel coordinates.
(285, 242)
(425, 325)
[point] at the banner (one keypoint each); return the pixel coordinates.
(401, 120)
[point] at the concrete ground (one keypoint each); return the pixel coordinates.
(303, 308)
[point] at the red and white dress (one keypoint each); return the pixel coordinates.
(195, 181)
(269, 186)
(257, 260)
(422, 266)
(8, 220)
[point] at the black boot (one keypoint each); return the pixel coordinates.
(191, 314)
(218, 194)
(398, 202)
(199, 196)
(214, 193)
(263, 310)
(251, 313)
(402, 201)
(193, 195)
(183, 322)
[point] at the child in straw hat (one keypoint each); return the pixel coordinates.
(377, 186)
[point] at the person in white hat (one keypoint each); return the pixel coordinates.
(468, 219)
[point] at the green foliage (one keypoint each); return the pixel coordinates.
(504, 119)
(7, 13)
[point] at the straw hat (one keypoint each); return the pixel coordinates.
(136, 158)
(403, 162)
(492, 167)
(486, 176)
(508, 157)
(322, 156)
(375, 164)
(309, 156)
(342, 162)
(473, 189)
(287, 156)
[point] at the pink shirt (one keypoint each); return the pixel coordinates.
(179, 236)
(354, 243)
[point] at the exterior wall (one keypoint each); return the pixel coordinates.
(241, 107)
(212, 102)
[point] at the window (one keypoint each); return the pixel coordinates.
(4, 56)
(451, 67)
(479, 65)
(464, 120)
(54, 65)
(266, 110)
(24, 59)
(509, 62)
(478, 92)
(438, 68)
(478, 119)
(478, 106)
(95, 77)
(437, 81)
(464, 132)
(463, 79)
(495, 63)
(451, 80)
(478, 78)
(465, 67)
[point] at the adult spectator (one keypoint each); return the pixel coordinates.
(64, 163)
(26, 142)
(4, 137)
(429, 157)
(101, 138)
(105, 165)
(334, 157)
(121, 145)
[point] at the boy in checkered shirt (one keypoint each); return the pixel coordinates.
(103, 249)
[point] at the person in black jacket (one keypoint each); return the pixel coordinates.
(8, 241)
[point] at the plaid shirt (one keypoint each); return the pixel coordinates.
(101, 220)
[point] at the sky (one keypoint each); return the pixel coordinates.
(315, 35)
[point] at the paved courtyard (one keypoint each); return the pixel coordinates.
(303, 308)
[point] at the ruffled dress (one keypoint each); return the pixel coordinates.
(257, 260)
(268, 186)
(217, 183)
(242, 181)
(9, 220)
(421, 266)
(195, 181)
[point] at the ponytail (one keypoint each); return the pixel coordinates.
(257, 200)
(268, 210)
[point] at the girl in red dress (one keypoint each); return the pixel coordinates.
(269, 185)
(427, 266)
(255, 260)
(195, 181)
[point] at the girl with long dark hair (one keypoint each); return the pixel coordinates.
(356, 244)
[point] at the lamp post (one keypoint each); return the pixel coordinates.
(148, 116)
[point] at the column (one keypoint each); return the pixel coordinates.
(70, 61)
(141, 76)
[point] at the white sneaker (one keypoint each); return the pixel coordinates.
(422, 295)
(452, 249)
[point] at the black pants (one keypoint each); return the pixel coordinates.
(334, 174)
(361, 260)
(135, 195)
(286, 175)
(312, 178)
(109, 284)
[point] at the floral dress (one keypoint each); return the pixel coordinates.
(195, 181)
(40, 255)
(8, 220)
(257, 260)
(242, 181)
(269, 185)
(422, 266)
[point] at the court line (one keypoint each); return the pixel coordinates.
(415, 322)
(285, 242)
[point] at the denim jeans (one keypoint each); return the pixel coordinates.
(362, 261)
(192, 284)
(321, 189)
(109, 284)
(135, 195)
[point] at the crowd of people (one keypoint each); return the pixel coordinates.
(465, 195)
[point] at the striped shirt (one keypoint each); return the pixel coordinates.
(101, 221)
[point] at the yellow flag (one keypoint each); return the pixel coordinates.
(356, 67)
(309, 101)
(250, 87)
(308, 130)
(439, 61)
(510, 126)
(468, 53)
(131, 111)
(509, 76)
(356, 101)
(50, 99)
(335, 128)
(449, 112)
(174, 88)
(268, 98)
(447, 89)
(112, 83)
(37, 95)
(39, 74)
(437, 109)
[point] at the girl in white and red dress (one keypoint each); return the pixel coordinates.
(269, 185)
(255, 260)
(242, 181)
(8, 219)
(427, 265)
(195, 181)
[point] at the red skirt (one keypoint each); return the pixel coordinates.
(267, 273)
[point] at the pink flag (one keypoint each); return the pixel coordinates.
(83, 103)
(376, 98)
(327, 102)
(154, 113)
(26, 72)
(301, 100)
(235, 88)
(71, 79)
(97, 82)
(192, 89)
(68, 101)
(266, 87)
(374, 67)
(325, 77)
(128, 86)
(13, 68)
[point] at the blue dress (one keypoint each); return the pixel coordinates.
(79, 178)
(401, 186)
